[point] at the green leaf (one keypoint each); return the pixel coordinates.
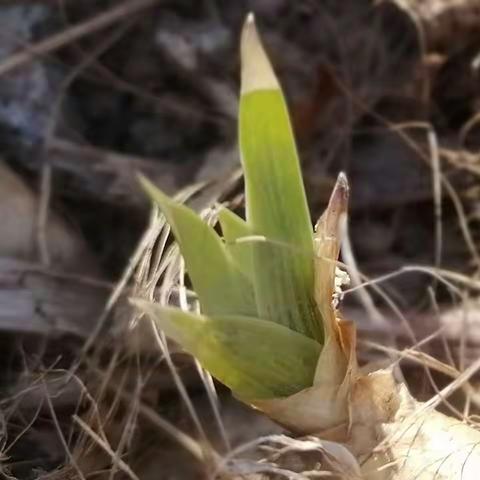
(255, 358)
(233, 226)
(238, 240)
(276, 203)
(221, 287)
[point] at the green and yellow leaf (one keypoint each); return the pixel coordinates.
(238, 240)
(221, 287)
(276, 205)
(255, 358)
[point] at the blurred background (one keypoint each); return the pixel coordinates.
(93, 92)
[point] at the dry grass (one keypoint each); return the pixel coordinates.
(128, 371)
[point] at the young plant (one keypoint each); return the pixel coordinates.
(261, 332)
(269, 328)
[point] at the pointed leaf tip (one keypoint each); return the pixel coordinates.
(329, 222)
(343, 180)
(154, 193)
(257, 72)
(339, 197)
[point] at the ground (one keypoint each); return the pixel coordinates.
(93, 92)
